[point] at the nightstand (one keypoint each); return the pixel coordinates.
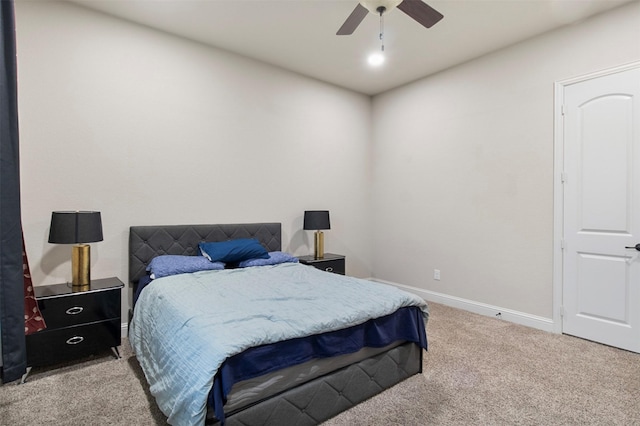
(79, 321)
(330, 262)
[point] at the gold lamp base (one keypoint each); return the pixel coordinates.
(81, 265)
(318, 239)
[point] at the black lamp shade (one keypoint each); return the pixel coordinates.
(316, 219)
(75, 227)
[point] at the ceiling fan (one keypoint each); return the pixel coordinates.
(416, 9)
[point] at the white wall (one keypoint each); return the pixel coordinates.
(149, 128)
(463, 166)
(153, 129)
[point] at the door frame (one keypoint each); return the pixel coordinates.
(558, 191)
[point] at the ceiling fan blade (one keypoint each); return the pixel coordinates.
(353, 20)
(421, 12)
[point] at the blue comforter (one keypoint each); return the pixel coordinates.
(185, 326)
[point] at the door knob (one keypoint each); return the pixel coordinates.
(637, 247)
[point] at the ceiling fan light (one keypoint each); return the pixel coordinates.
(373, 5)
(376, 59)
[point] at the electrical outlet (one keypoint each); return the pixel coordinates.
(436, 274)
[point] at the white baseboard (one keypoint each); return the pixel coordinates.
(510, 315)
(124, 329)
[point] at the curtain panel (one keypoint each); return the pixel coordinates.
(33, 319)
(12, 297)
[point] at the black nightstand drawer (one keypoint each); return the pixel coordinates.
(54, 346)
(330, 262)
(335, 266)
(80, 308)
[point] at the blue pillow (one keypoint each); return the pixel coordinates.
(171, 264)
(275, 257)
(234, 250)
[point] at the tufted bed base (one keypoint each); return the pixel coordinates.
(327, 396)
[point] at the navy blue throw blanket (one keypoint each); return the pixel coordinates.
(405, 324)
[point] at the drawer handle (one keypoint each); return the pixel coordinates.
(75, 340)
(329, 269)
(75, 310)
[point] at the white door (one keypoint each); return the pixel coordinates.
(601, 276)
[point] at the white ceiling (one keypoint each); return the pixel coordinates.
(299, 35)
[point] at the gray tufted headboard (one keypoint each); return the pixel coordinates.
(147, 242)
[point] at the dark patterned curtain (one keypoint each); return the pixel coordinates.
(12, 297)
(33, 320)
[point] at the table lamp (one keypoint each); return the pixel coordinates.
(79, 228)
(317, 220)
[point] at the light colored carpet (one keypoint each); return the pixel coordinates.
(478, 370)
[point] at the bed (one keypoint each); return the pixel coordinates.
(261, 384)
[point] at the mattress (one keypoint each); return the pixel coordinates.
(249, 310)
